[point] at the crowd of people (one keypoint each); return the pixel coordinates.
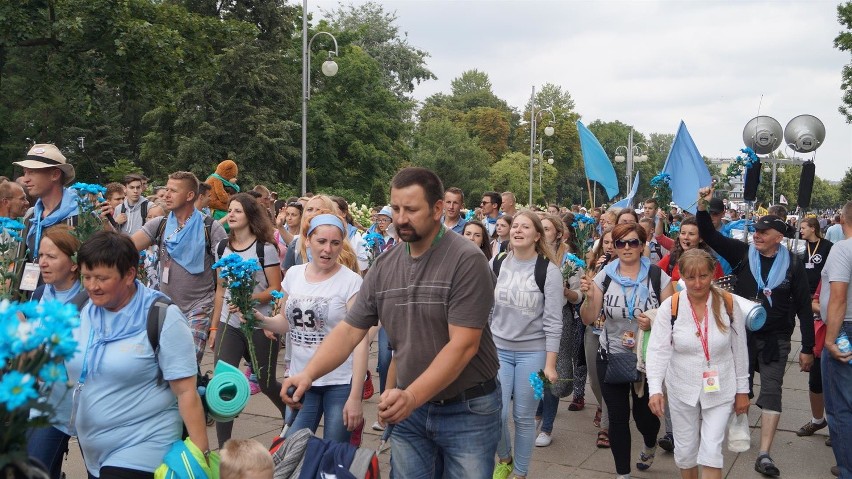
(476, 314)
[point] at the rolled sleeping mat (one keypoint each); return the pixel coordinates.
(227, 393)
(753, 313)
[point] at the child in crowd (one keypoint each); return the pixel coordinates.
(245, 459)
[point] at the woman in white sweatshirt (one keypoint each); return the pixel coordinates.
(702, 356)
(526, 324)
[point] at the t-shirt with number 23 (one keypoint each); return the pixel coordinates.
(313, 310)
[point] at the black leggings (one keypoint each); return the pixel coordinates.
(617, 398)
(231, 346)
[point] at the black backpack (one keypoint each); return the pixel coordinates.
(540, 268)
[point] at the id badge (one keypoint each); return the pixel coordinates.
(164, 277)
(29, 281)
(628, 339)
(711, 380)
(809, 266)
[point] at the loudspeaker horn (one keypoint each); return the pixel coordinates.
(804, 133)
(762, 134)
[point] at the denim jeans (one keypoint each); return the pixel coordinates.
(384, 359)
(515, 370)
(547, 408)
(837, 390)
(449, 441)
(324, 402)
(48, 445)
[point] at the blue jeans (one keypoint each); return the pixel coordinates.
(837, 391)
(384, 359)
(48, 445)
(515, 370)
(547, 408)
(324, 402)
(453, 440)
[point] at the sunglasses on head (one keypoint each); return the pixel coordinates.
(633, 243)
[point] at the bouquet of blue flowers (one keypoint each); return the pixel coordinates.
(571, 264)
(375, 244)
(584, 230)
(35, 341)
(539, 381)
(238, 276)
(662, 189)
(10, 240)
(89, 198)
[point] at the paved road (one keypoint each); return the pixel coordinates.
(573, 453)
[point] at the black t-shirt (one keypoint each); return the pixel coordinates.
(816, 254)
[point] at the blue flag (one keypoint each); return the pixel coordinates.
(687, 170)
(628, 200)
(598, 166)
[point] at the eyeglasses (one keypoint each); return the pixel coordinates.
(384, 219)
(622, 244)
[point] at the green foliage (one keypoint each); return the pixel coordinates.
(512, 173)
(447, 149)
(843, 42)
(119, 169)
(845, 188)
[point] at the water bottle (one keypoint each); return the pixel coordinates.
(843, 344)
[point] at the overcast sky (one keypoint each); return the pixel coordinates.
(647, 63)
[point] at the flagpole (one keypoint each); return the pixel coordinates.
(591, 200)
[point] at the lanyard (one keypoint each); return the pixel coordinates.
(816, 248)
(84, 371)
(434, 241)
(37, 238)
(702, 337)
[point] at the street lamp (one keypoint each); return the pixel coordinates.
(633, 154)
(329, 69)
(548, 131)
(541, 154)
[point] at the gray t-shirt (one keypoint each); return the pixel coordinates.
(838, 268)
(188, 291)
(619, 326)
(523, 318)
(417, 298)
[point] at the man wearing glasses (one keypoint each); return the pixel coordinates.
(491, 201)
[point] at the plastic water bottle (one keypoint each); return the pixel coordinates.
(843, 344)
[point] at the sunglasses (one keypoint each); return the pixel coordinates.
(633, 243)
(295, 204)
(484, 203)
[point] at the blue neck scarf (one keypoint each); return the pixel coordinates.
(50, 292)
(187, 245)
(639, 294)
(776, 274)
(67, 207)
(128, 321)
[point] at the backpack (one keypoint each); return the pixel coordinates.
(540, 268)
(78, 300)
(729, 305)
(258, 251)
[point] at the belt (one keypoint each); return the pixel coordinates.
(472, 392)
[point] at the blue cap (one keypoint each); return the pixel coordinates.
(386, 211)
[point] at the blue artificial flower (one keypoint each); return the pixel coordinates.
(661, 178)
(574, 259)
(675, 228)
(276, 294)
(16, 389)
(537, 385)
(53, 372)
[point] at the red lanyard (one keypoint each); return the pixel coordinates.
(702, 337)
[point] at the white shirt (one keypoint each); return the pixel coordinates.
(677, 356)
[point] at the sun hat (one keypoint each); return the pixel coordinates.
(386, 211)
(47, 156)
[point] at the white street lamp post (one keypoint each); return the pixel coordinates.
(548, 131)
(329, 69)
(634, 154)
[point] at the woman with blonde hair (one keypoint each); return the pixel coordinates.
(526, 323)
(698, 348)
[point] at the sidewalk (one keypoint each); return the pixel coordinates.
(573, 453)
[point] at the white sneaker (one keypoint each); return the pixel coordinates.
(543, 440)
(377, 427)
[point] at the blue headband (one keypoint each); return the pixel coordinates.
(326, 219)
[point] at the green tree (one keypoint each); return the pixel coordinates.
(447, 149)
(843, 42)
(845, 188)
(491, 127)
(511, 173)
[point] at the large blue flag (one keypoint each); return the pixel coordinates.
(598, 166)
(686, 169)
(628, 200)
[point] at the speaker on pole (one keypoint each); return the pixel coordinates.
(806, 185)
(752, 181)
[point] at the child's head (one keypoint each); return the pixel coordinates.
(245, 459)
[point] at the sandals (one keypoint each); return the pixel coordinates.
(597, 420)
(765, 466)
(577, 404)
(603, 440)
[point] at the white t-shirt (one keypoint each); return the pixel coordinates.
(313, 310)
(270, 257)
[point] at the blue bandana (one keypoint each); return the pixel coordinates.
(776, 274)
(67, 208)
(639, 294)
(186, 246)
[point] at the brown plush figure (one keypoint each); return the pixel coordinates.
(223, 185)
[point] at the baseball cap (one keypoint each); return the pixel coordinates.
(716, 205)
(771, 222)
(386, 211)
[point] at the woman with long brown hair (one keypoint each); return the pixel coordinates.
(250, 237)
